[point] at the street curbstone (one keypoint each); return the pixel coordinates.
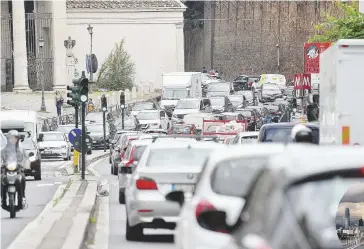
(68, 169)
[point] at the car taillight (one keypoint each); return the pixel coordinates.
(202, 206)
(131, 159)
(146, 184)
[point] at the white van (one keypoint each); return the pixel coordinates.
(30, 119)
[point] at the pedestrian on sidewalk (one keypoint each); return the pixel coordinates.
(59, 103)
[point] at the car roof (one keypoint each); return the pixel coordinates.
(185, 144)
(249, 133)
(284, 125)
(154, 110)
(245, 150)
(141, 142)
(192, 98)
(321, 159)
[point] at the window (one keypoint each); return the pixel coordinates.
(204, 167)
(53, 137)
(239, 173)
(169, 157)
(283, 135)
(188, 104)
(206, 102)
(148, 115)
(217, 101)
(236, 139)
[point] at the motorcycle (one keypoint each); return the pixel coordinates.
(11, 181)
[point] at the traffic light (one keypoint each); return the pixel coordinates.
(74, 94)
(83, 89)
(122, 98)
(103, 103)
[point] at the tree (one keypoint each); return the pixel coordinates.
(349, 26)
(117, 72)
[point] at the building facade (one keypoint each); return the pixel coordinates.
(152, 32)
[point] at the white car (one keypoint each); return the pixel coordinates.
(246, 137)
(163, 167)
(54, 145)
(224, 180)
(153, 119)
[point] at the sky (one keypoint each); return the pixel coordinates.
(353, 199)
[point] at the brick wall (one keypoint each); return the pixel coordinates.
(242, 36)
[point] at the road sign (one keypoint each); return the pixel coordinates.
(73, 135)
(77, 145)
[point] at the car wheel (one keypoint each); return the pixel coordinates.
(168, 126)
(65, 159)
(160, 127)
(110, 160)
(121, 197)
(111, 169)
(133, 233)
(69, 157)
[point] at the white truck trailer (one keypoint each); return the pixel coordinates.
(180, 85)
(342, 93)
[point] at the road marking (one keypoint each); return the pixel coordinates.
(58, 183)
(45, 184)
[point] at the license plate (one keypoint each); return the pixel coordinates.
(183, 187)
(94, 142)
(47, 152)
(11, 189)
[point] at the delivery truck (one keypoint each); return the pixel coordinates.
(180, 85)
(341, 93)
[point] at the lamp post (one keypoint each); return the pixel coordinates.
(90, 31)
(41, 44)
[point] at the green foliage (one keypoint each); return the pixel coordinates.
(349, 26)
(117, 72)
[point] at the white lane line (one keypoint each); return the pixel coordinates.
(45, 184)
(57, 183)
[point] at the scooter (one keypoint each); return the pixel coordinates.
(12, 182)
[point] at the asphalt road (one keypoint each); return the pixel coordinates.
(154, 239)
(38, 194)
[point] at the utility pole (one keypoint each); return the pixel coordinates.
(76, 116)
(122, 106)
(104, 109)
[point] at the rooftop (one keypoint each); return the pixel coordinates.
(122, 4)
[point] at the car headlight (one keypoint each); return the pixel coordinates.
(11, 166)
(63, 147)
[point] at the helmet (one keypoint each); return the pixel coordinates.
(302, 134)
(13, 136)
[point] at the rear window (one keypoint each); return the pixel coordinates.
(169, 157)
(181, 129)
(283, 135)
(249, 140)
(234, 177)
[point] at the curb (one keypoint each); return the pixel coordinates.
(69, 168)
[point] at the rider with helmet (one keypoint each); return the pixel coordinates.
(302, 134)
(12, 146)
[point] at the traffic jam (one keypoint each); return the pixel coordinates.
(243, 164)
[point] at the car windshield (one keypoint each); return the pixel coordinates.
(28, 144)
(221, 87)
(307, 199)
(239, 173)
(283, 135)
(94, 117)
(169, 157)
(217, 101)
(53, 137)
(188, 104)
(129, 123)
(143, 106)
(29, 126)
(175, 93)
(181, 129)
(272, 108)
(249, 140)
(147, 115)
(65, 129)
(270, 87)
(95, 128)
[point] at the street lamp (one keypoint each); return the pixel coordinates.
(41, 45)
(90, 31)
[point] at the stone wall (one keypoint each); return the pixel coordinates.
(245, 37)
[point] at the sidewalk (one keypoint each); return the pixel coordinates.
(32, 101)
(63, 222)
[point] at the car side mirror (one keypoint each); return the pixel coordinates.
(213, 220)
(31, 154)
(126, 170)
(176, 196)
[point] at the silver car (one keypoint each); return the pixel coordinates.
(163, 168)
(132, 155)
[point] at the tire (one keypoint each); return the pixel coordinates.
(109, 159)
(65, 159)
(69, 157)
(160, 127)
(168, 126)
(111, 169)
(121, 197)
(38, 176)
(134, 233)
(12, 206)
(115, 170)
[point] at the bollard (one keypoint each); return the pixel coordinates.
(76, 155)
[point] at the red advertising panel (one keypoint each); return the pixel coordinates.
(302, 81)
(312, 53)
